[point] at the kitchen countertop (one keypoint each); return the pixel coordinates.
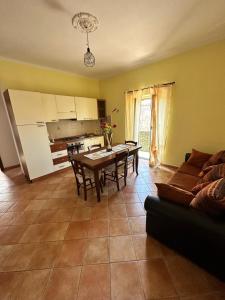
(75, 138)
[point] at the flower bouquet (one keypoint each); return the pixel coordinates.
(107, 131)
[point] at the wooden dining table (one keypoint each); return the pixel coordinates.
(96, 165)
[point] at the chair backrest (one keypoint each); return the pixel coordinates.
(78, 169)
(131, 143)
(72, 149)
(121, 157)
(94, 147)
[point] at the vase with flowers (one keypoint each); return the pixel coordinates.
(107, 131)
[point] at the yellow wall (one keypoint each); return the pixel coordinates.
(27, 77)
(198, 109)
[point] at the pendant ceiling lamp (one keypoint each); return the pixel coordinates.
(86, 23)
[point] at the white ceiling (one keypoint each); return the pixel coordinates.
(131, 32)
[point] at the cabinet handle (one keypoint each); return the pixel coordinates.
(72, 111)
(40, 122)
(53, 120)
(40, 125)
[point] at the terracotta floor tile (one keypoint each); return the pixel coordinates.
(10, 282)
(43, 195)
(81, 214)
(44, 232)
(4, 253)
(121, 249)
(117, 211)
(116, 198)
(44, 255)
(25, 218)
(45, 216)
(63, 284)
(199, 282)
(33, 285)
(156, 279)
(19, 206)
(11, 234)
(8, 218)
(125, 283)
(77, 230)
(138, 225)
(98, 228)
(35, 205)
(72, 253)
(131, 197)
(54, 215)
(19, 258)
(4, 206)
(119, 227)
(38, 216)
(95, 282)
(99, 212)
(146, 247)
(97, 251)
(135, 210)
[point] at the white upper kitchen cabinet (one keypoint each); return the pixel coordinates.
(49, 106)
(27, 107)
(86, 108)
(36, 150)
(65, 107)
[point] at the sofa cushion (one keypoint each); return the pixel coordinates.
(211, 199)
(186, 168)
(216, 172)
(183, 181)
(215, 159)
(174, 194)
(198, 159)
(199, 187)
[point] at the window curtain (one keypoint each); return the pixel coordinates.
(161, 102)
(132, 103)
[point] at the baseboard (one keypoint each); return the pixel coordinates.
(11, 167)
(169, 166)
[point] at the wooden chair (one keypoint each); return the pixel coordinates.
(118, 170)
(94, 147)
(131, 158)
(84, 178)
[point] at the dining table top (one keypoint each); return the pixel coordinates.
(102, 162)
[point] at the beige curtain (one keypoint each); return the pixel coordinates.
(131, 100)
(161, 101)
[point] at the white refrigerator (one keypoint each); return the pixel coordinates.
(36, 150)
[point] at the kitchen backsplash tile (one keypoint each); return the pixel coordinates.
(65, 128)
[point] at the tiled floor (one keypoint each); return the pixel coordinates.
(53, 245)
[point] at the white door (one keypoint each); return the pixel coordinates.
(27, 107)
(49, 106)
(36, 149)
(65, 107)
(86, 108)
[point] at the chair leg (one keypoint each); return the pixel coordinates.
(78, 187)
(85, 191)
(101, 187)
(125, 175)
(117, 180)
(133, 165)
(104, 179)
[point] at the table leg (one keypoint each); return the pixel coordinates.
(97, 184)
(136, 162)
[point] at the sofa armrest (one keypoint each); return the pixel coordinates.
(187, 155)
